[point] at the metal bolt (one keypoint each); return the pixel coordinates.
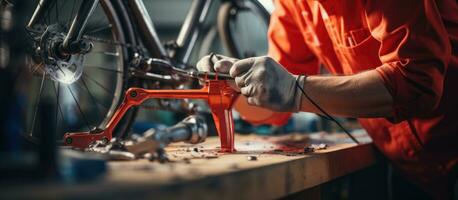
(308, 149)
(85, 46)
(105, 140)
(68, 140)
(233, 11)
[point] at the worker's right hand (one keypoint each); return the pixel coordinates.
(216, 62)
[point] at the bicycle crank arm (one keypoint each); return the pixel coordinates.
(219, 95)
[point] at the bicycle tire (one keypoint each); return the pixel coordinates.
(121, 34)
(227, 11)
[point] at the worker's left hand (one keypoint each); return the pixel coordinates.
(267, 84)
(216, 62)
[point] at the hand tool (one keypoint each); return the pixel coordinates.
(193, 129)
(166, 66)
(218, 93)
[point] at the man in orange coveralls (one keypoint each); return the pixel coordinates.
(395, 66)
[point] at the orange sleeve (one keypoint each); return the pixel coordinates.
(415, 51)
(287, 46)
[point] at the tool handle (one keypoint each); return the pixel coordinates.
(215, 76)
(210, 75)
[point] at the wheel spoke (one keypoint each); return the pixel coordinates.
(37, 104)
(104, 69)
(57, 11)
(57, 93)
(79, 108)
(110, 42)
(30, 36)
(18, 75)
(48, 15)
(116, 54)
(92, 97)
(95, 24)
(99, 84)
(57, 105)
(106, 107)
(43, 20)
(99, 29)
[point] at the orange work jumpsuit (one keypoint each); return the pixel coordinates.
(412, 44)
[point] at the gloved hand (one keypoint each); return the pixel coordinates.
(262, 80)
(267, 84)
(216, 62)
(219, 63)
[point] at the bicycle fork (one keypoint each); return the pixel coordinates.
(219, 95)
(73, 42)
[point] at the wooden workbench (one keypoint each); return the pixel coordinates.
(199, 172)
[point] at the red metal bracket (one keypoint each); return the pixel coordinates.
(219, 95)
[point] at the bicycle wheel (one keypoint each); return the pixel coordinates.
(240, 23)
(84, 89)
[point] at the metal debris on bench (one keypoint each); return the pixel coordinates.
(314, 147)
(252, 158)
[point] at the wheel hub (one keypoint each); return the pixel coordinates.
(58, 67)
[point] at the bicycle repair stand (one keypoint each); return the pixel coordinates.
(219, 95)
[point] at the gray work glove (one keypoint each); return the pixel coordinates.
(219, 63)
(267, 84)
(216, 62)
(261, 79)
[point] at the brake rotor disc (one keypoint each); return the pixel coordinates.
(65, 69)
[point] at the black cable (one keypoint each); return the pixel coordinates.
(328, 117)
